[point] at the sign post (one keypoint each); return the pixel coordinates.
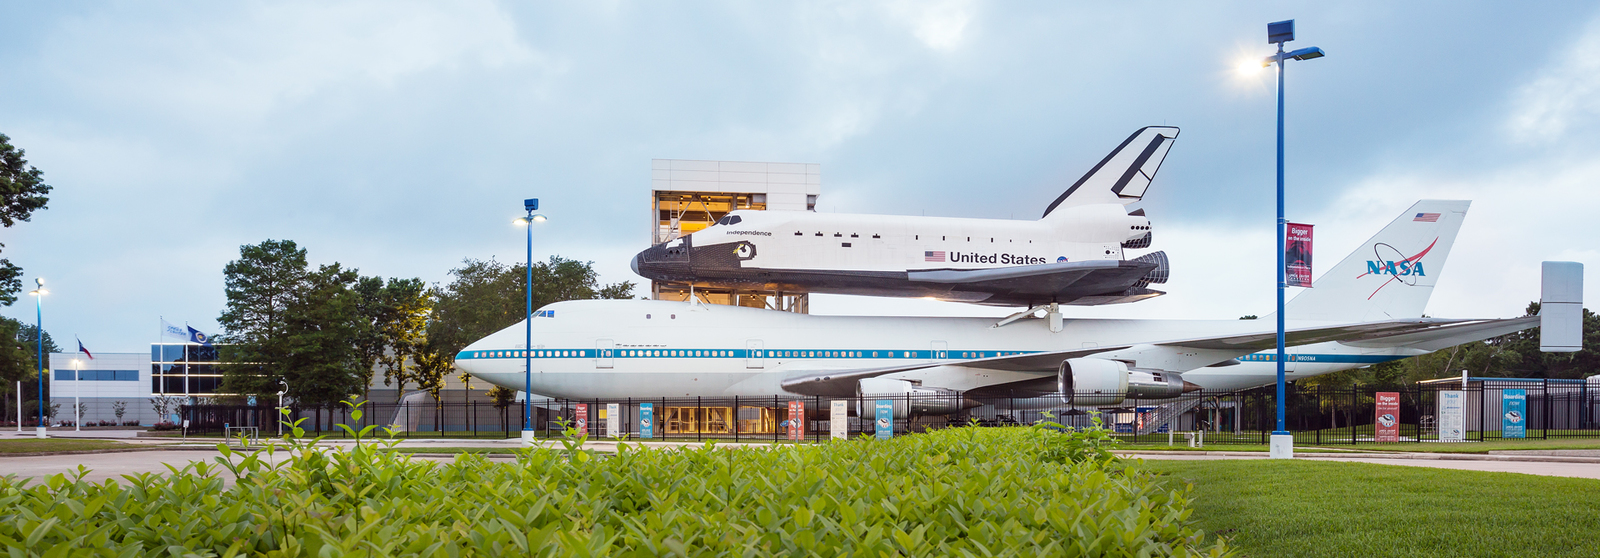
(797, 420)
(582, 420)
(647, 420)
(884, 425)
(838, 417)
(1452, 419)
(1387, 425)
(1514, 409)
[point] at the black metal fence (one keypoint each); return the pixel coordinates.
(1316, 415)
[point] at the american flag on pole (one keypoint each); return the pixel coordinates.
(934, 256)
(1427, 217)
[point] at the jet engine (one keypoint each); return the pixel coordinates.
(1097, 381)
(909, 399)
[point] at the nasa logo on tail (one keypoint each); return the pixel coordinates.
(1388, 260)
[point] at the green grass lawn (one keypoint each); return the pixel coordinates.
(54, 444)
(1307, 508)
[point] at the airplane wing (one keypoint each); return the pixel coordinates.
(1449, 335)
(1391, 333)
(1098, 281)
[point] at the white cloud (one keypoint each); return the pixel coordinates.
(1565, 95)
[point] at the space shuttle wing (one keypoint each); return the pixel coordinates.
(1051, 282)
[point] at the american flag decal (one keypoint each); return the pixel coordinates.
(1427, 217)
(937, 256)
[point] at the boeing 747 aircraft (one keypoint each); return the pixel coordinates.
(1072, 255)
(1365, 310)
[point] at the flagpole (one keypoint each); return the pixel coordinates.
(77, 391)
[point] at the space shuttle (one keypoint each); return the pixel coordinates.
(1073, 254)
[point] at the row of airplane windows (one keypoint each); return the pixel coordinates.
(775, 353)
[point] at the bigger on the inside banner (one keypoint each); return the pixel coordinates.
(1297, 255)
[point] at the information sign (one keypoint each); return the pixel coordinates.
(647, 420)
(1387, 423)
(838, 419)
(1452, 418)
(581, 422)
(1514, 409)
(884, 425)
(613, 420)
(797, 420)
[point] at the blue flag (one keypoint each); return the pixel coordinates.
(196, 336)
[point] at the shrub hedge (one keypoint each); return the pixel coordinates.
(960, 491)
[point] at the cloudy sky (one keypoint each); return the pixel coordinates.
(400, 137)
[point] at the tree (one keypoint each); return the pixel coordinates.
(284, 322)
(397, 315)
(22, 191)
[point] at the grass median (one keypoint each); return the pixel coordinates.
(35, 445)
(1334, 509)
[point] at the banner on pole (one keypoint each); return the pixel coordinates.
(647, 420)
(1514, 410)
(613, 420)
(838, 417)
(884, 425)
(1452, 418)
(1297, 255)
(582, 420)
(797, 420)
(1387, 425)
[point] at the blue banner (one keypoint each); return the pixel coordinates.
(885, 423)
(1514, 409)
(647, 420)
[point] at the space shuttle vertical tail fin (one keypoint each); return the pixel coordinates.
(1392, 274)
(1124, 175)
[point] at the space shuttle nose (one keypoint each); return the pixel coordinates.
(634, 265)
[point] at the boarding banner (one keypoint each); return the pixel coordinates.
(838, 417)
(884, 425)
(1387, 424)
(581, 422)
(797, 420)
(613, 420)
(1297, 255)
(1514, 409)
(1452, 416)
(647, 420)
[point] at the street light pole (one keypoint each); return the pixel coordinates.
(280, 405)
(530, 205)
(38, 315)
(1282, 32)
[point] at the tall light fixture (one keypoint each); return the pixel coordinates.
(530, 205)
(38, 311)
(1278, 33)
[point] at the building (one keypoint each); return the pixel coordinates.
(688, 195)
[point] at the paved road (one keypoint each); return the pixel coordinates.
(1551, 469)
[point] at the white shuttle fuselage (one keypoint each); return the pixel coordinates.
(1074, 254)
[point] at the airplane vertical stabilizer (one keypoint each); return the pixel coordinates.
(1392, 274)
(1124, 175)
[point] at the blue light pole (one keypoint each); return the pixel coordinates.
(530, 205)
(1282, 32)
(38, 314)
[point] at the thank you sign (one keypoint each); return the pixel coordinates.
(884, 425)
(1452, 416)
(613, 419)
(1514, 413)
(838, 415)
(1386, 425)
